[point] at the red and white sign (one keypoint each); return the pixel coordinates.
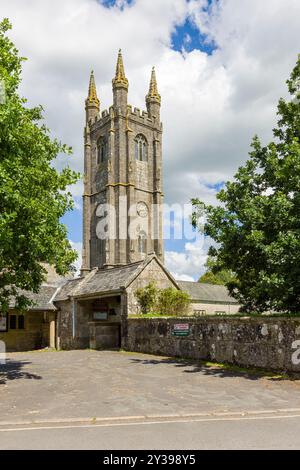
(181, 326)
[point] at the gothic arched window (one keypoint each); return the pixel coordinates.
(101, 150)
(141, 148)
(142, 242)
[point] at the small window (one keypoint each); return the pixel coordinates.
(102, 150)
(12, 322)
(141, 148)
(142, 242)
(217, 312)
(21, 322)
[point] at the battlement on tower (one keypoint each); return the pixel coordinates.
(140, 116)
(100, 119)
(133, 113)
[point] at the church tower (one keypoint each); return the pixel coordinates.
(122, 200)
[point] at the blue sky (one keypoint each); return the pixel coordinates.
(189, 38)
(73, 222)
(186, 36)
(112, 3)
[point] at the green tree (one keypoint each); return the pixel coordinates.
(147, 298)
(173, 302)
(168, 301)
(33, 195)
(257, 227)
(213, 275)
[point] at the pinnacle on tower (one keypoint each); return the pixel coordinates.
(92, 98)
(153, 94)
(120, 80)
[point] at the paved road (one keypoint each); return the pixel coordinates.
(255, 432)
(129, 400)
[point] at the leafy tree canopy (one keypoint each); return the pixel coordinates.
(213, 275)
(169, 301)
(147, 297)
(33, 195)
(257, 226)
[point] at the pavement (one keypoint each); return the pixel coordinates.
(116, 400)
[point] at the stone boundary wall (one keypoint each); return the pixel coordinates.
(270, 343)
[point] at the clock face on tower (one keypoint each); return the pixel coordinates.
(142, 209)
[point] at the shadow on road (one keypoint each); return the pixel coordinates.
(12, 370)
(229, 371)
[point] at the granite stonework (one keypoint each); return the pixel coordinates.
(153, 271)
(122, 186)
(269, 343)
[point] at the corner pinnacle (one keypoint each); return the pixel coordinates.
(120, 78)
(92, 98)
(153, 94)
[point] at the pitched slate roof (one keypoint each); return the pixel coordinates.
(206, 292)
(101, 281)
(65, 291)
(108, 280)
(42, 299)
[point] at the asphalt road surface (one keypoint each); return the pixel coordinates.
(115, 400)
(231, 432)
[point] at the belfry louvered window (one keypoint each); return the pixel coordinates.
(141, 148)
(101, 150)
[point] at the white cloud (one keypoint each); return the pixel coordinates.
(211, 105)
(77, 246)
(184, 277)
(187, 265)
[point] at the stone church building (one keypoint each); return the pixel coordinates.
(122, 230)
(122, 218)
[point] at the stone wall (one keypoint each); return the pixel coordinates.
(270, 343)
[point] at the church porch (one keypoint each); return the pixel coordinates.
(94, 322)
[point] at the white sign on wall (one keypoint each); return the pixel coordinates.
(2, 353)
(3, 323)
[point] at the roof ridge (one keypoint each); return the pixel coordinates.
(203, 283)
(120, 266)
(84, 280)
(150, 257)
(142, 264)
